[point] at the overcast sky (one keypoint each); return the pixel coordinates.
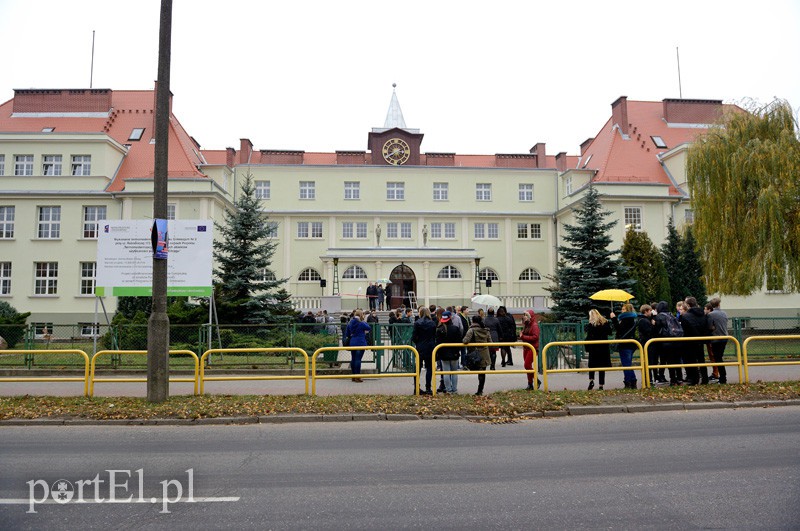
(474, 77)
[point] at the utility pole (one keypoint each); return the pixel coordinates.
(158, 325)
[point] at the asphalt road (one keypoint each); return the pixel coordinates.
(681, 470)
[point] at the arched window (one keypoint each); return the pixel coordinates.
(267, 275)
(449, 271)
(530, 274)
(487, 273)
(309, 274)
(354, 271)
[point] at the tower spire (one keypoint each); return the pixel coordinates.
(394, 117)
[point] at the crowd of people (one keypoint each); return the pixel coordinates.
(655, 321)
(436, 325)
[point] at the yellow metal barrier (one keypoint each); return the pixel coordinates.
(434, 371)
(748, 364)
(704, 339)
(85, 378)
(92, 378)
(640, 367)
(315, 376)
(207, 353)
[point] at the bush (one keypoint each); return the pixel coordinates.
(12, 323)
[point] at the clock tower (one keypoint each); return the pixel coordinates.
(394, 144)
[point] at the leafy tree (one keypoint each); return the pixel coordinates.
(587, 264)
(244, 253)
(693, 268)
(130, 306)
(645, 267)
(744, 178)
(12, 323)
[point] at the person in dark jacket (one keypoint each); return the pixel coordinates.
(508, 326)
(357, 330)
(695, 324)
(668, 353)
(446, 332)
(424, 339)
(493, 324)
(625, 325)
(478, 333)
(372, 295)
(646, 328)
(599, 355)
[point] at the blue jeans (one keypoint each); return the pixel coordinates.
(355, 360)
(450, 380)
(626, 359)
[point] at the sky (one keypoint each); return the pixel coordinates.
(474, 77)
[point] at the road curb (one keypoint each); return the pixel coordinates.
(399, 417)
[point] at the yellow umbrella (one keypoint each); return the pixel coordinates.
(613, 295)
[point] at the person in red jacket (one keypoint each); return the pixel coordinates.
(529, 334)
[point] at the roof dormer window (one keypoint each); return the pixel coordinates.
(48, 129)
(659, 142)
(137, 133)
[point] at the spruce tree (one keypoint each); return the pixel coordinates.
(672, 255)
(645, 267)
(587, 265)
(693, 267)
(243, 253)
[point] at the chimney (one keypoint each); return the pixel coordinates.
(230, 157)
(541, 157)
(678, 111)
(245, 151)
(561, 161)
(619, 114)
(585, 144)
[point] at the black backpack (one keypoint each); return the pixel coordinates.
(672, 327)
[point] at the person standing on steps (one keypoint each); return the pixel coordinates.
(599, 355)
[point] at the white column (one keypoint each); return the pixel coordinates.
(378, 270)
(426, 281)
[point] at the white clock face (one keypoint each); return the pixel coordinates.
(396, 151)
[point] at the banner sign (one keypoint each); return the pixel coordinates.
(125, 258)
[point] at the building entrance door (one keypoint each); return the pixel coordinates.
(402, 281)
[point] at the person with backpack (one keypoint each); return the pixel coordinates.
(477, 333)
(447, 332)
(625, 325)
(695, 324)
(599, 354)
(646, 328)
(667, 325)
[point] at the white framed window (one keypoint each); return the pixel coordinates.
(361, 230)
(352, 190)
(172, 210)
(23, 164)
(353, 272)
(91, 216)
(354, 229)
(449, 272)
(81, 164)
(633, 218)
(49, 227)
(309, 274)
(484, 231)
(6, 222)
(530, 274)
(487, 273)
(309, 229)
(267, 275)
(45, 278)
(42, 330)
(688, 216)
(775, 284)
(5, 278)
(526, 191)
(136, 134)
(272, 229)
(441, 191)
(2, 164)
(400, 230)
(90, 329)
(88, 275)
(395, 191)
(483, 192)
(262, 190)
(445, 230)
(659, 142)
(51, 165)
(308, 190)
(568, 184)
(348, 229)
(405, 231)
(527, 231)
